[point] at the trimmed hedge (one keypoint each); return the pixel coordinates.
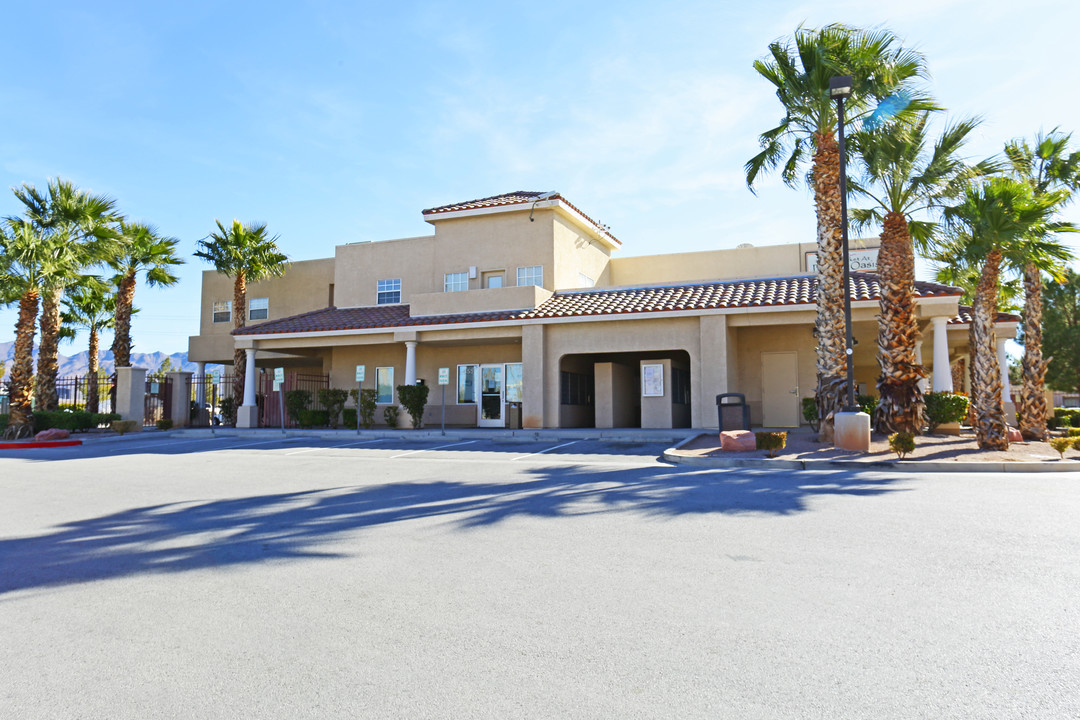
(313, 418)
(945, 407)
(771, 441)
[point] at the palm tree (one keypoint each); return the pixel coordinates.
(93, 307)
(800, 71)
(1046, 166)
(143, 250)
(1000, 221)
(28, 259)
(247, 254)
(905, 176)
(83, 221)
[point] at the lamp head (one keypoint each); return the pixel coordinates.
(840, 87)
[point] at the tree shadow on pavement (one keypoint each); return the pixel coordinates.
(189, 536)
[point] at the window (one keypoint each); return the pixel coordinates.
(258, 308)
(455, 282)
(388, 292)
(384, 385)
(513, 382)
(466, 384)
(532, 275)
(222, 311)
(493, 280)
(585, 281)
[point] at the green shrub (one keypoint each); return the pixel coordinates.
(121, 427)
(366, 402)
(867, 403)
(1072, 432)
(295, 401)
(902, 443)
(333, 399)
(390, 415)
(771, 441)
(809, 411)
(945, 407)
(414, 398)
(1067, 417)
(348, 417)
(227, 406)
(1062, 444)
(3, 422)
(74, 421)
(313, 418)
(164, 424)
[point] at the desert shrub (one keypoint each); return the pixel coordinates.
(945, 407)
(867, 403)
(366, 402)
(771, 441)
(809, 412)
(313, 418)
(1062, 444)
(121, 427)
(390, 415)
(414, 399)
(902, 443)
(295, 401)
(227, 406)
(333, 399)
(164, 424)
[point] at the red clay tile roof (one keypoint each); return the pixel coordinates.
(518, 197)
(771, 292)
(964, 317)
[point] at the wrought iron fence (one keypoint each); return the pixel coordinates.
(205, 396)
(158, 400)
(270, 400)
(92, 393)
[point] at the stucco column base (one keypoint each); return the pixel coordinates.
(247, 416)
(131, 394)
(1010, 414)
(852, 431)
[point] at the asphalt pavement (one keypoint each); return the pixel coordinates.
(466, 577)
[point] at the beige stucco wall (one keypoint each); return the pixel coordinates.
(358, 268)
(577, 252)
(472, 301)
(731, 264)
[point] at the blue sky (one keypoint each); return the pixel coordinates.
(339, 122)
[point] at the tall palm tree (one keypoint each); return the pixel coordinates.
(28, 259)
(1047, 165)
(83, 221)
(800, 72)
(141, 249)
(1000, 221)
(245, 253)
(906, 175)
(91, 306)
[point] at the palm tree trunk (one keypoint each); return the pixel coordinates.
(92, 373)
(45, 385)
(125, 299)
(901, 406)
(239, 356)
(959, 372)
(990, 429)
(830, 323)
(1033, 410)
(20, 419)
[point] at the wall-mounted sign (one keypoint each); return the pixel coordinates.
(652, 380)
(860, 260)
(444, 376)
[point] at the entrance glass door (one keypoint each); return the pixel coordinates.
(491, 397)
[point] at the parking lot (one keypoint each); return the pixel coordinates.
(292, 577)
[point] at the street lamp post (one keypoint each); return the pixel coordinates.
(839, 90)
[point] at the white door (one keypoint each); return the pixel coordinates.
(492, 390)
(780, 389)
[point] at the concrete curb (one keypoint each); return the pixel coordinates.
(670, 455)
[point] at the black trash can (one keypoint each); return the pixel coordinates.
(734, 414)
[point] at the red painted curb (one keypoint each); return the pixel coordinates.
(34, 444)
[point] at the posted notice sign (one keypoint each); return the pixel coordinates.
(360, 373)
(444, 376)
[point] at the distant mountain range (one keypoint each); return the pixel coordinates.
(78, 363)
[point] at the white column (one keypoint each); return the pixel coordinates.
(200, 389)
(410, 362)
(923, 382)
(249, 379)
(942, 373)
(1003, 361)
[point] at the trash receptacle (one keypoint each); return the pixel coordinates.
(732, 415)
(514, 416)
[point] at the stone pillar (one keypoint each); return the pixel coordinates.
(181, 398)
(131, 394)
(924, 383)
(942, 374)
(247, 415)
(200, 388)
(712, 365)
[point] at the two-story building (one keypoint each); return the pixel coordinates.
(520, 297)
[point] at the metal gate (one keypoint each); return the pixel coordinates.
(270, 400)
(158, 400)
(204, 397)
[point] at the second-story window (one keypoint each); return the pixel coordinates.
(454, 282)
(258, 308)
(222, 311)
(532, 275)
(388, 292)
(585, 281)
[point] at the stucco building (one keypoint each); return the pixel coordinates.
(522, 297)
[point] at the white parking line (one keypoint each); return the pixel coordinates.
(541, 452)
(331, 447)
(261, 442)
(438, 447)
